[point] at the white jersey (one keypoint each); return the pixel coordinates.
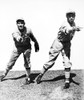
(66, 32)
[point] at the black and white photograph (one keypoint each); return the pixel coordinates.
(41, 49)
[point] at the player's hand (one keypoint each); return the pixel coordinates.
(77, 28)
(36, 45)
(19, 39)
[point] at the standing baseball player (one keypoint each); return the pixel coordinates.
(22, 38)
(62, 44)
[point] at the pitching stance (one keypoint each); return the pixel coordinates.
(22, 38)
(62, 44)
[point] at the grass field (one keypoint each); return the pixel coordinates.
(51, 87)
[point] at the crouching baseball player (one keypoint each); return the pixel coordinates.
(22, 38)
(62, 44)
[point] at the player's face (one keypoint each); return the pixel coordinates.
(20, 25)
(71, 18)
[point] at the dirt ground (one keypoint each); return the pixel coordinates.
(51, 87)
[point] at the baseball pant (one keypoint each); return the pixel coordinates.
(55, 49)
(15, 54)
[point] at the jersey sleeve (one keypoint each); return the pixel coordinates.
(32, 37)
(65, 29)
(62, 29)
(15, 35)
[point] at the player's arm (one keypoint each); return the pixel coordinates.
(36, 44)
(16, 37)
(74, 28)
(77, 28)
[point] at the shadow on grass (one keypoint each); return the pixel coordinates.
(61, 77)
(34, 75)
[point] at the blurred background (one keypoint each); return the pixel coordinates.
(44, 17)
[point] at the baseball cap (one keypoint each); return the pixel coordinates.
(20, 20)
(70, 12)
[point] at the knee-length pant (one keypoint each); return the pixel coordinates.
(15, 54)
(55, 49)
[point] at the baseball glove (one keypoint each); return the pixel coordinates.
(36, 45)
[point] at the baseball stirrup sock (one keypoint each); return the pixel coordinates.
(28, 71)
(67, 74)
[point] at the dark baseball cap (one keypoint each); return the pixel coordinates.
(20, 20)
(70, 12)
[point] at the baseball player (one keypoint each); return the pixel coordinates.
(62, 44)
(22, 39)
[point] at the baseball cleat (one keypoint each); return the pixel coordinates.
(2, 77)
(38, 79)
(27, 81)
(67, 85)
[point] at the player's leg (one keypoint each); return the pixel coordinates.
(14, 56)
(67, 70)
(67, 64)
(27, 65)
(53, 54)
